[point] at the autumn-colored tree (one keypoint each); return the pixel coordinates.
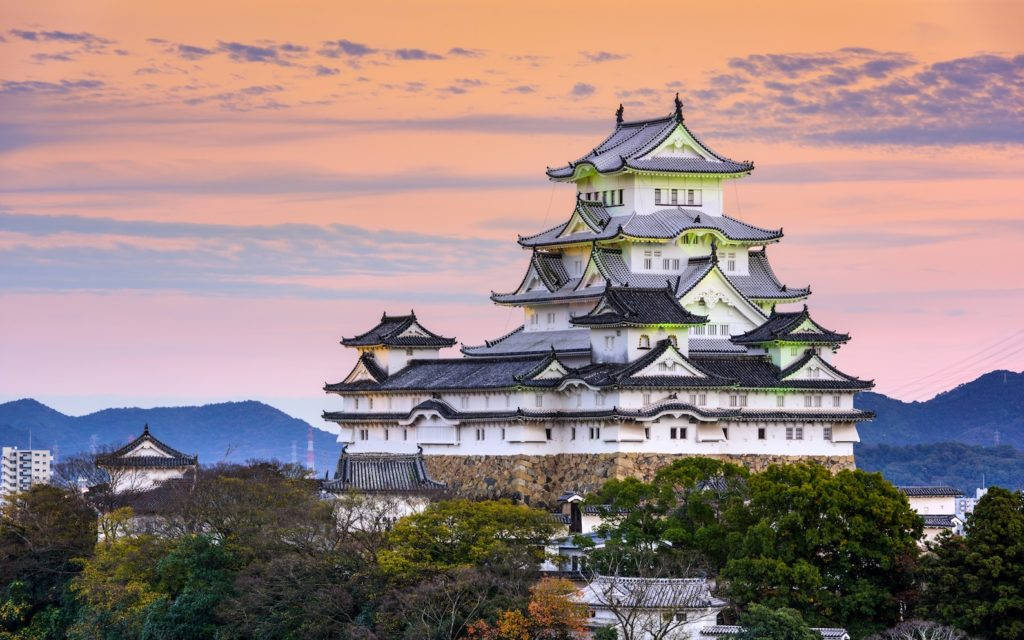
(551, 614)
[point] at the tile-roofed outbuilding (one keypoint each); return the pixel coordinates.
(930, 491)
(650, 593)
(629, 147)
(398, 331)
(793, 326)
(382, 473)
(635, 306)
(167, 456)
(725, 630)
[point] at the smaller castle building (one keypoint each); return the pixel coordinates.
(145, 463)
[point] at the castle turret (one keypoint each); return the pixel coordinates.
(787, 336)
(396, 340)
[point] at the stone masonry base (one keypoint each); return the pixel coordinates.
(540, 479)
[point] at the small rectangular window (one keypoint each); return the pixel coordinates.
(647, 433)
(682, 433)
(789, 433)
(620, 196)
(836, 401)
(387, 434)
(573, 436)
(761, 433)
(665, 262)
(817, 401)
(657, 196)
(725, 432)
(723, 329)
(798, 433)
(647, 264)
(547, 434)
(672, 433)
(675, 263)
(743, 400)
(702, 400)
(780, 401)
(503, 433)
(826, 433)
(807, 402)
(405, 434)
(647, 398)
(538, 400)
(732, 401)
(675, 196)
(712, 330)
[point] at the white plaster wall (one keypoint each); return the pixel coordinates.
(933, 505)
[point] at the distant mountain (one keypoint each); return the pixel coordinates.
(228, 431)
(959, 465)
(972, 413)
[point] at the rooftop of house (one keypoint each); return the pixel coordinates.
(166, 457)
(382, 473)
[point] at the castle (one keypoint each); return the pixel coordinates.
(653, 328)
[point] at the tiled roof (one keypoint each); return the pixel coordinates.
(719, 630)
(173, 459)
(634, 306)
(453, 373)
(715, 345)
(388, 332)
(760, 284)
(650, 593)
(521, 342)
(631, 141)
(382, 473)
(931, 491)
(508, 372)
(944, 521)
(661, 224)
(846, 381)
(782, 326)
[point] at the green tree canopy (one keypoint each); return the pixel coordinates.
(840, 549)
(649, 525)
(976, 582)
(42, 531)
(763, 623)
(460, 533)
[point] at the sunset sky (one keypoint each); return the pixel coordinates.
(198, 199)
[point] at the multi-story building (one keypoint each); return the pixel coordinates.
(23, 468)
(937, 505)
(654, 327)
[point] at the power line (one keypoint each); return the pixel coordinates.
(957, 363)
(952, 376)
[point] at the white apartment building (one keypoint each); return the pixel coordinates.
(23, 468)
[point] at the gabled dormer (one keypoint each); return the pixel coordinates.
(396, 340)
(811, 371)
(786, 336)
(627, 322)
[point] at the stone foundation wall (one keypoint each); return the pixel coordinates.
(541, 479)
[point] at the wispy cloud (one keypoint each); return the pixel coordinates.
(78, 253)
(582, 90)
(416, 54)
(343, 47)
(465, 53)
(602, 56)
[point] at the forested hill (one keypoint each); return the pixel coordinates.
(972, 413)
(228, 431)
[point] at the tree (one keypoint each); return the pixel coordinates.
(678, 514)
(920, 630)
(552, 614)
(42, 532)
(840, 549)
(460, 533)
(444, 605)
(762, 623)
(976, 582)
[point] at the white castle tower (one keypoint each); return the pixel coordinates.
(652, 329)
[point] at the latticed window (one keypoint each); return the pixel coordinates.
(645, 341)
